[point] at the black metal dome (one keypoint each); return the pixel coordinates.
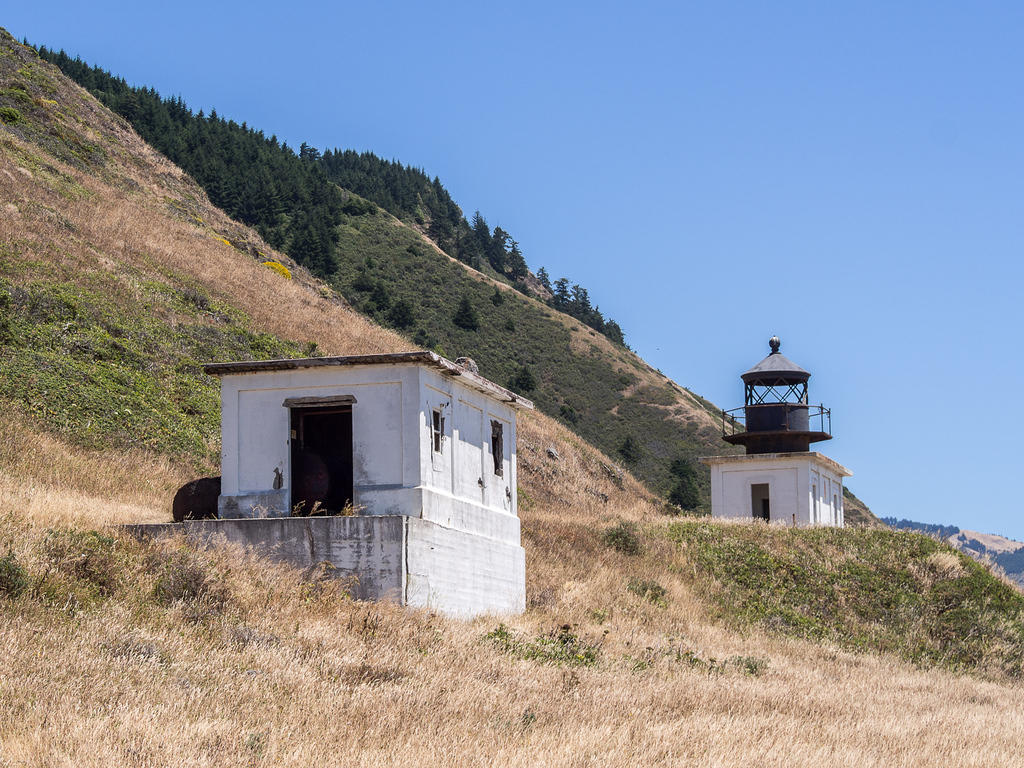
(775, 367)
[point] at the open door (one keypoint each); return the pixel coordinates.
(321, 456)
(759, 504)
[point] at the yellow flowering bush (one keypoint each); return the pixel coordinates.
(280, 268)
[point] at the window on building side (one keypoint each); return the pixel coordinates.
(437, 430)
(497, 446)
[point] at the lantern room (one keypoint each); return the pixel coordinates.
(779, 480)
(776, 416)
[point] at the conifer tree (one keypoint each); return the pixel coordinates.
(522, 380)
(685, 492)
(401, 315)
(465, 316)
(515, 264)
(542, 277)
(630, 450)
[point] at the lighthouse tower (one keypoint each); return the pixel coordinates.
(780, 479)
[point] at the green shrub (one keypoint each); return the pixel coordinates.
(522, 380)
(9, 115)
(13, 576)
(567, 413)
(560, 646)
(749, 665)
(184, 577)
(649, 590)
(5, 314)
(630, 450)
(622, 538)
(357, 206)
(465, 316)
(86, 556)
(401, 315)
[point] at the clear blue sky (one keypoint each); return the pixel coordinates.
(846, 175)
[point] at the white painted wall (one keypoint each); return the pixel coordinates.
(458, 550)
(395, 469)
(801, 487)
(255, 425)
(459, 487)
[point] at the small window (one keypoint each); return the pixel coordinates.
(437, 430)
(498, 446)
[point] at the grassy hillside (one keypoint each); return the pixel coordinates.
(647, 641)
(390, 270)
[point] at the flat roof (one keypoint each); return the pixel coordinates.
(425, 358)
(820, 458)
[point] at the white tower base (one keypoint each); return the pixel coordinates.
(798, 489)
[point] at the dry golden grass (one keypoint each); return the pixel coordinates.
(273, 671)
(267, 669)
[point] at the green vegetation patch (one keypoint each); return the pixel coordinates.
(117, 360)
(13, 576)
(623, 537)
(561, 646)
(864, 589)
(649, 590)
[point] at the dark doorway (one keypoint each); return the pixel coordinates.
(759, 505)
(321, 441)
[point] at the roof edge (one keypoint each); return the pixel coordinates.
(820, 458)
(418, 357)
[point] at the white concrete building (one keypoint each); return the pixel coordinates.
(422, 450)
(780, 479)
(792, 488)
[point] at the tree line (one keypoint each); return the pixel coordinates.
(295, 200)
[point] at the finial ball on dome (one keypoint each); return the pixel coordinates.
(774, 343)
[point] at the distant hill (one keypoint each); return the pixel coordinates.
(1007, 554)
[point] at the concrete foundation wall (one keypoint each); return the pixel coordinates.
(367, 551)
(388, 557)
(463, 575)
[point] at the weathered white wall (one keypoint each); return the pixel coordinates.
(459, 486)
(460, 540)
(793, 481)
(255, 425)
(825, 497)
(462, 574)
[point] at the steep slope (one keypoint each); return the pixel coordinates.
(391, 271)
(646, 642)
